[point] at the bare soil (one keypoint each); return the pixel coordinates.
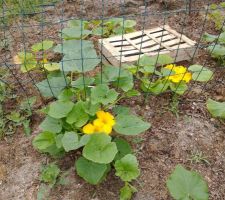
(169, 142)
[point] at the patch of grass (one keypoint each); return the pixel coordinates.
(198, 157)
(11, 9)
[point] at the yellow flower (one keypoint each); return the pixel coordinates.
(106, 117)
(181, 74)
(16, 60)
(103, 124)
(88, 128)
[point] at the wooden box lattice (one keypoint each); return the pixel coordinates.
(129, 47)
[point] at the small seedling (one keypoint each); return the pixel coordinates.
(198, 157)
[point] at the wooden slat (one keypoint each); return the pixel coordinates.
(159, 34)
(151, 43)
(183, 37)
(158, 41)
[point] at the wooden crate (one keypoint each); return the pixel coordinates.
(127, 48)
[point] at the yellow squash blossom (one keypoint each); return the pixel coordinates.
(88, 128)
(106, 117)
(103, 124)
(181, 74)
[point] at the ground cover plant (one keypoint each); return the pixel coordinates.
(216, 42)
(14, 8)
(158, 74)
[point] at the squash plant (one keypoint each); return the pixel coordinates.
(85, 117)
(36, 57)
(158, 75)
(78, 29)
(216, 42)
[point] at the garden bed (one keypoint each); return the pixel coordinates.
(171, 140)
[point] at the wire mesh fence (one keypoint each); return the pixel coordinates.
(75, 32)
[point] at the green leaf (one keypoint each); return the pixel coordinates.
(123, 147)
(119, 77)
(78, 115)
(209, 37)
(28, 61)
(91, 172)
(153, 61)
(184, 185)
(70, 141)
(77, 58)
(147, 61)
(52, 86)
(216, 50)
(42, 46)
(78, 23)
(200, 73)
(44, 140)
(100, 149)
(90, 108)
(51, 125)
(58, 141)
(60, 109)
(51, 66)
(66, 95)
(28, 103)
(132, 93)
(75, 33)
(179, 88)
(26, 127)
(102, 94)
(81, 82)
(121, 110)
(222, 38)
(217, 109)
(127, 191)
(164, 59)
(127, 168)
(128, 23)
(156, 88)
(43, 192)
(50, 173)
(130, 125)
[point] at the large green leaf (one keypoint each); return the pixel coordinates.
(217, 50)
(60, 109)
(92, 172)
(209, 37)
(127, 168)
(102, 94)
(77, 115)
(44, 140)
(51, 124)
(82, 82)
(123, 147)
(70, 141)
(187, 185)
(217, 109)
(44, 45)
(75, 33)
(130, 125)
(28, 61)
(79, 55)
(119, 77)
(52, 86)
(100, 149)
(152, 61)
(200, 73)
